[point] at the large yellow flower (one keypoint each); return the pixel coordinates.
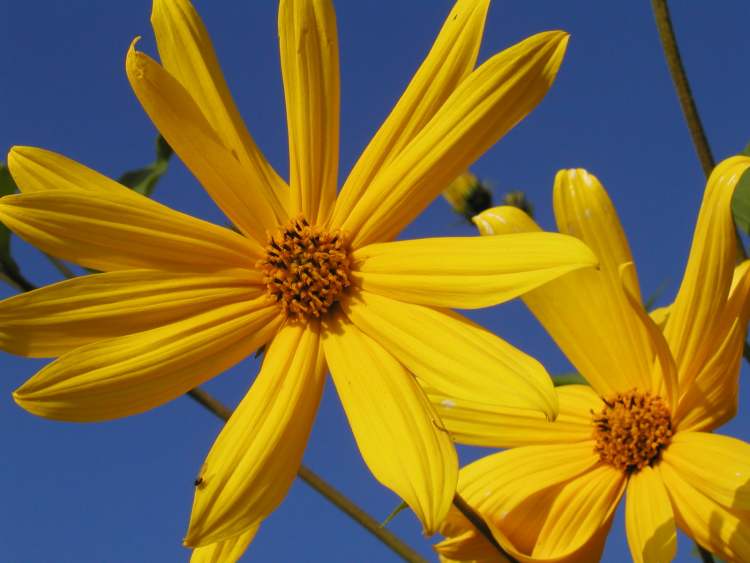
(310, 275)
(644, 424)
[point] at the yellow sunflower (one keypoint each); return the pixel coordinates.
(659, 386)
(312, 276)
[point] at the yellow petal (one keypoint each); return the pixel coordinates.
(254, 460)
(310, 68)
(454, 356)
(547, 502)
(227, 551)
(468, 272)
(488, 103)
(55, 319)
(721, 531)
(696, 313)
(398, 433)
(115, 233)
(504, 220)
(186, 52)
(243, 195)
(649, 520)
(660, 316)
(131, 374)
(583, 209)
(664, 372)
(451, 58)
(711, 399)
(579, 511)
(717, 466)
(587, 316)
(469, 546)
(484, 424)
(36, 170)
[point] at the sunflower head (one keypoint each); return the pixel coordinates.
(305, 268)
(632, 429)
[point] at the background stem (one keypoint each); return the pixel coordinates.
(479, 523)
(681, 85)
(690, 111)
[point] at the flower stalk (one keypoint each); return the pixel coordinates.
(681, 84)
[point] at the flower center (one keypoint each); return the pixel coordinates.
(305, 268)
(632, 430)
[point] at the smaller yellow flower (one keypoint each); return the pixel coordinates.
(644, 426)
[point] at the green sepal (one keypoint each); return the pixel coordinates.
(144, 180)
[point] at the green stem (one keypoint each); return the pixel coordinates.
(14, 278)
(706, 556)
(677, 70)
(327, 491)
(61, 266)
(690, 111)
(478, 522)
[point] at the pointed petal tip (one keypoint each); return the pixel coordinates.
(134, 60)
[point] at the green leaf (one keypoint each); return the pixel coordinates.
(9, 269)
(746, 150)
(571, 378)
(143, 180)
(741, 203)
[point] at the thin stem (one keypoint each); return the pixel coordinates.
(327, 491)
(14, 278)
(481, 526)
(690, 111)
(674, 61)
(706, 556)
(61, 266)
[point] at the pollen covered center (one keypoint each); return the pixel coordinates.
(632, 430)
(305, 268)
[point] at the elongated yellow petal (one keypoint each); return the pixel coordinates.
(454, 356)
(451, 58)
(227, 551)
(717, 466)
(243, 195)
(52, 320)
(696, 312)
(590, 501)
(531, 495)
(711, 399)
(588, 317)
(467, 272)
(721, 531)
(649, 521)
(484, 424)
(132, 374)
(583, 209)
(115, 233)
(36, 170)
(186, 52)
(664, 372)
(399, 435)
(254, 460)
(488, 103)
(310, 68)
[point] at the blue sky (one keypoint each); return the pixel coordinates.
(122, 490)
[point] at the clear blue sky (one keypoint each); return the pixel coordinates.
(121, 491)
